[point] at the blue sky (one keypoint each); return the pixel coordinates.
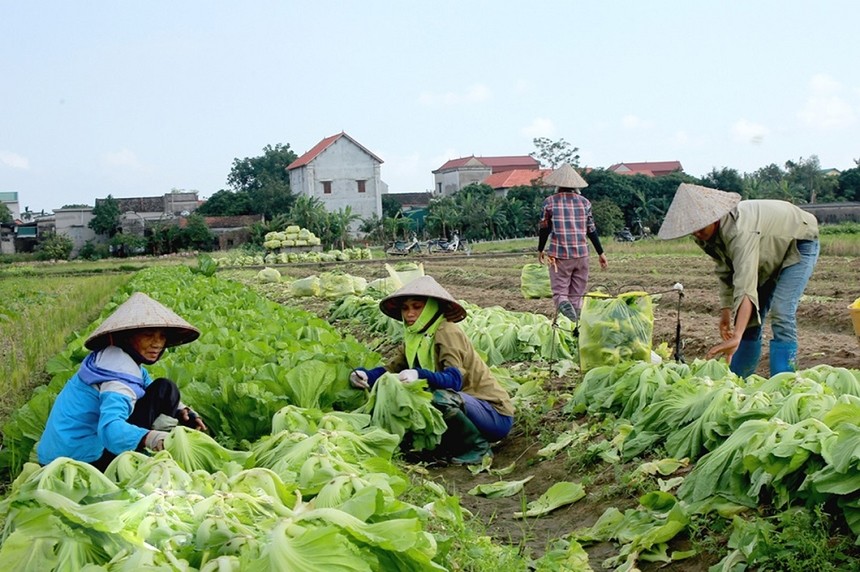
(138, 98)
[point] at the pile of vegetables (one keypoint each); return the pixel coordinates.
(293, 235)
(239, 258)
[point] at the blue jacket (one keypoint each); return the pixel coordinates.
(91, 416)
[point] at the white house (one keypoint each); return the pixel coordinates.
(10, 199)
(73, 222)
(340, 172)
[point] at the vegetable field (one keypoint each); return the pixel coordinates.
(677, 466)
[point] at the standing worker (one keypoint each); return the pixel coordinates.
(566, 221)
(765, 252)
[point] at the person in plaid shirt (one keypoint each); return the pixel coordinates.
(566, 221)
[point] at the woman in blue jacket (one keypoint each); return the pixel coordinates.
(111, 404)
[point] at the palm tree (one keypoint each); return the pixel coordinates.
(341, 221)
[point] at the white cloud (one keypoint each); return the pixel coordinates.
(14, 160)
(825, 107)
(476, 93)
(745, 131)
(122, 158)
(631, 121)
(539, 127)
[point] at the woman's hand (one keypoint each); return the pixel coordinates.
(358, 379)
(408, 375)
(190, 419)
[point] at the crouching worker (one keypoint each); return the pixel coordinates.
(476, 409)
(111, 404)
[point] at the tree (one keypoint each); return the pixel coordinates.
(106, 217)
(390, 206)
(196, 234)
(805, 175)
(554, 154)
(725, 179)
(54, 247)
(265, 180)
(607, 217)
(226, 203)
(340, 223)
(849, 184)
(5, 214)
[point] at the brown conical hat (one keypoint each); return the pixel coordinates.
(425, 286)
(141, 311)
(695, 207)
(565, 177)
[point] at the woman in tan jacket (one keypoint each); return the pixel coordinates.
(476, 408)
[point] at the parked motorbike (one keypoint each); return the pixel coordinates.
(624, 235)
(403, 247)
(443, 245)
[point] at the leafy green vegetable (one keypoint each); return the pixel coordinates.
(556, 496)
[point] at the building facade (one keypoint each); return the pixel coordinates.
(341, 173)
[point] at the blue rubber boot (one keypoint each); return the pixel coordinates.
(783, 357)
(745, 359)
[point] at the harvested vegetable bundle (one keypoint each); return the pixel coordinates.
(534, 281)
(613, 330)
(405, 407)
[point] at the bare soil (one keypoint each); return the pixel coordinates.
(826, 336)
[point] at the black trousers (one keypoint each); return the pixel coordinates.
(161, 397)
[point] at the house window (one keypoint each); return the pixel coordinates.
(361, 186)
(326, 187)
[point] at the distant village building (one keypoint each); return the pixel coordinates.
(649, 169)
(10, 199)
(340, 172)
(229, 231)
(458, 173)
(73, 222)
(507, 180)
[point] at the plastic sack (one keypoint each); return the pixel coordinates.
(405, 272)
(534, 281)
(334, 285)
(615, 329)
(269, 275)
(309, 286)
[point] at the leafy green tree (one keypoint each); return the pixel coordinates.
(554, 154)
(310, 213)
(804, 175)
(725, 179)
(5, 214)
(106, 217)
(265, 180)
(390, 207)
(54, 247)
(849, 184)
(127, 244)
(226, 203)
(341, 220)
(607, 217)
(196, 234)
(442, 216)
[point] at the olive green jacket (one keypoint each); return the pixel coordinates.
(454, 349)
(753, 243)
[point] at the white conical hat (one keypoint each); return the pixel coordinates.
(565, 177)
(422, 286)
(141, 311)
(695, 207)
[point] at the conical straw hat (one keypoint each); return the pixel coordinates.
(695, 207)
(141, 311)
(565, 177)
(422, 286)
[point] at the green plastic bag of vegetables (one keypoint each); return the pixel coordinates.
(615, 329)
(534, 281)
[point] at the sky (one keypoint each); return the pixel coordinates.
(134, 99)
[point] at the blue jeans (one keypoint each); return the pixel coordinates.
(493, 425)
(779, 297)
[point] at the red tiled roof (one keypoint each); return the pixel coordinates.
(497, 164)
(322, 146)
(515, 178)
(649, 169)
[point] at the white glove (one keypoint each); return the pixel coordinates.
(408, 375)
(358, 379)
(155, 440)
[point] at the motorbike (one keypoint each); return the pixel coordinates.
(443, 245)
(404, 247)
(624, 235)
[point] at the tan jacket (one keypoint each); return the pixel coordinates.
(454, 349)
(754, 242)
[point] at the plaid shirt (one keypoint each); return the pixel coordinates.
(568, 216)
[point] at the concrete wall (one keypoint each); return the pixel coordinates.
(449, 182)
(342, 164)
(73, 223)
